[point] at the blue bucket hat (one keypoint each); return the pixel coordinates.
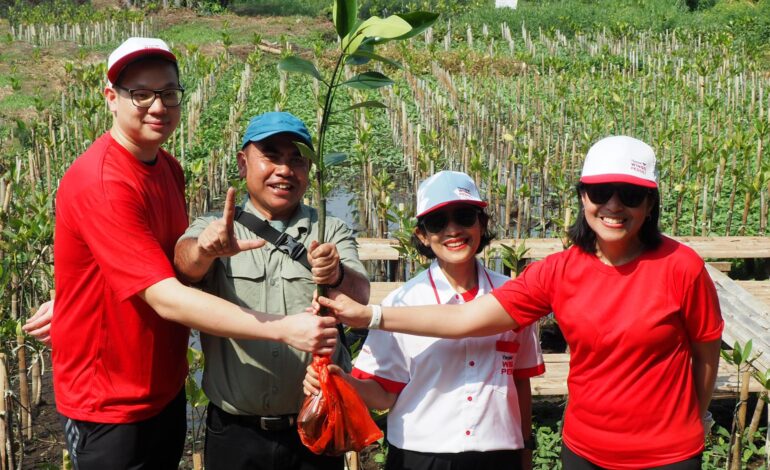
(265, 125)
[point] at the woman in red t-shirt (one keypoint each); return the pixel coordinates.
(638, 310)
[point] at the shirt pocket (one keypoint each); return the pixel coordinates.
(245, 277)
(298, 286)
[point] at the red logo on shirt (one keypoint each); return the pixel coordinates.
(507, 347)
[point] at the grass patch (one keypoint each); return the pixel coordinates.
(282, 7)
(191, 33)
(16, 101)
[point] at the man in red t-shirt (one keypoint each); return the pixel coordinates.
(119, 337)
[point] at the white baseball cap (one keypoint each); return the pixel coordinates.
(134, 49)
(620, 159)
(444, 188)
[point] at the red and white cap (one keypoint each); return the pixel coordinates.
(134, 49)
(620, 159)
(444, 188)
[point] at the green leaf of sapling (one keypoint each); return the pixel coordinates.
(334, 158)
(307, 152)
(345, 15)
(368, 81)
(294, 64)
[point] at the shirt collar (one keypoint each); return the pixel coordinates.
(444, 290)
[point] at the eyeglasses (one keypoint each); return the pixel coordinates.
(630, 195)
(437, 221)
(144, 98)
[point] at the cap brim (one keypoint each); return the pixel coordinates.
(265, 135)
(114, 72)
(618, 178)
(481, 204)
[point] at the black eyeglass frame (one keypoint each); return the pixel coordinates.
(630, 195)
(435, 222)
(157, 93)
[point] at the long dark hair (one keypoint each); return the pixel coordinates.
(487, 235)
(582, 235)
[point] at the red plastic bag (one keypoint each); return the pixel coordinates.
(336, 420)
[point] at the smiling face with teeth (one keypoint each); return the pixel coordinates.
(454, 244)
(276, 175)
(616, 226)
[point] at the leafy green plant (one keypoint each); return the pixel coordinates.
(196, 397)
(357, 41)
(513, 257)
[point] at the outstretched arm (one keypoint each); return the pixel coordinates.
(373, 395)
(483, 316)
(193, 257)
(196, 309)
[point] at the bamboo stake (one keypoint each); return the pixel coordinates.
(3, 414)
(37, 378)
(741, 424)
(757, 416)
(26, 413)
(7, 399)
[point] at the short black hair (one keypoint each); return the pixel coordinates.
(582, 235)
(487, 236)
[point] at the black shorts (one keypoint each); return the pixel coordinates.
(153, 444)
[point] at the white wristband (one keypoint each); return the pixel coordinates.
(374, 323)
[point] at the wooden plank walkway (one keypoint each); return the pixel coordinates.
(706, 247)
(554, 381)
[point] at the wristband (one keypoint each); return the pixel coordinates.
(374, 323)
(339, 279)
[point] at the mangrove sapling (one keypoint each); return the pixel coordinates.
(357, 41)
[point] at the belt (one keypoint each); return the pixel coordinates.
(276, 423)
(265, 423)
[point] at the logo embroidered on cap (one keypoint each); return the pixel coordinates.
(639, 167)
(464, 193)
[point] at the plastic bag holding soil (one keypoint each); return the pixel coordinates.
(336, 420)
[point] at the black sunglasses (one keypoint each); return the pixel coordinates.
(630, 195)
(437, 221)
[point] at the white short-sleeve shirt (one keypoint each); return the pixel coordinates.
(456, 395)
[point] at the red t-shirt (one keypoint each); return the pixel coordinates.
(117, 221)
(632, 401)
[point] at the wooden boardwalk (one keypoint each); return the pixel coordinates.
(707, 247)
(554, 381)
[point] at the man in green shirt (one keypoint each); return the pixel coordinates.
(255, 387)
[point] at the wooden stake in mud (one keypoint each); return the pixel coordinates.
(37, 378)
(26, 413)
(757, 416)
(736, 457)
(3, 413)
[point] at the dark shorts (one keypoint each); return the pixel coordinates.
(249, 442)
(400, 459)
(153, 444)
(572, 461)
